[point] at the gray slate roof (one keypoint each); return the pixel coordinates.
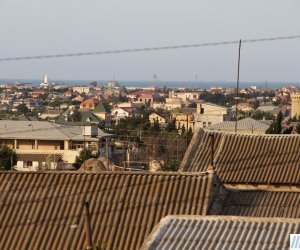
(43, 130)
(244, 124)
(221, 232)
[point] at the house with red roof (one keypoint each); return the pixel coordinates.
(90, 103)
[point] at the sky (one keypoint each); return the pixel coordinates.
(35, 27)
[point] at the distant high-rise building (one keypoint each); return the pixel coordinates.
(295, 104)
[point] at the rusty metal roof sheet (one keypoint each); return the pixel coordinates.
(45, 210)
(39, 157)
(221, 232)
(258, 203)
(246, 158)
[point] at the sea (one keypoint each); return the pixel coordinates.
(161, 84)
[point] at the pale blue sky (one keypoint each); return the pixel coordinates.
(36, 27)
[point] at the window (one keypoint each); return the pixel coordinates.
(28, 164)
(204, 124)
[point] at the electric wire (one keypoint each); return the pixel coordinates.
(135, 50)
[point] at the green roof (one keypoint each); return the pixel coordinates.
(86, 118)
(100, 108)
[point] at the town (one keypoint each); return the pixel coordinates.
(149, 125)
(89, 162)
(131, 128)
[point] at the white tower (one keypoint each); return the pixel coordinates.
(46, 79)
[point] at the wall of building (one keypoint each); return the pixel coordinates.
(295, 97)
(49, 145)
(203, 121)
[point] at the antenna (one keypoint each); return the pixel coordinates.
(237, 88)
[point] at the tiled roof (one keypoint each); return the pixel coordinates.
(221, 232)
(45, 210)
(93, 101)
(246, 158)
(259, 203)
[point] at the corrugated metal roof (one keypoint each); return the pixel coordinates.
(45, 210)
(246, 158)
(262, 204)
(221, 232)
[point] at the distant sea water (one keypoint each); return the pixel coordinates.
(161, 84)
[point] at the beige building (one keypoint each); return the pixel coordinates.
(82, 90)
(184, 120)
(35, 141)
(173, 103)
(209, 114)
(162, 119)
(185, 96)
(295, 97)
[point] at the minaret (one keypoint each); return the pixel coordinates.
(46, 79)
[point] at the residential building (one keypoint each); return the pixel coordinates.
(90, 103)
(38, 139)
(37, 93)
(120, 113)
(173, 103)
(102, 113)
(185, 96)
(162, 119)
(185, 120)
(50, 114)
(81, 89)
(209, 114)
(243, 106)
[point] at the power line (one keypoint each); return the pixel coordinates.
(172, 47)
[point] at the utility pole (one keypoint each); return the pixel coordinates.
(187, 130)
(212, 144)
(84, 146)
(87, 226)
(237, 87)
(107, 152)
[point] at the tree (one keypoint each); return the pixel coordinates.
(275, 127)
(47, 164)
(183, 129)
(171, 126)
(55, 102)
(82, 157)
(22, 108)
(75, 116)
(8, 158)
(156, 127)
